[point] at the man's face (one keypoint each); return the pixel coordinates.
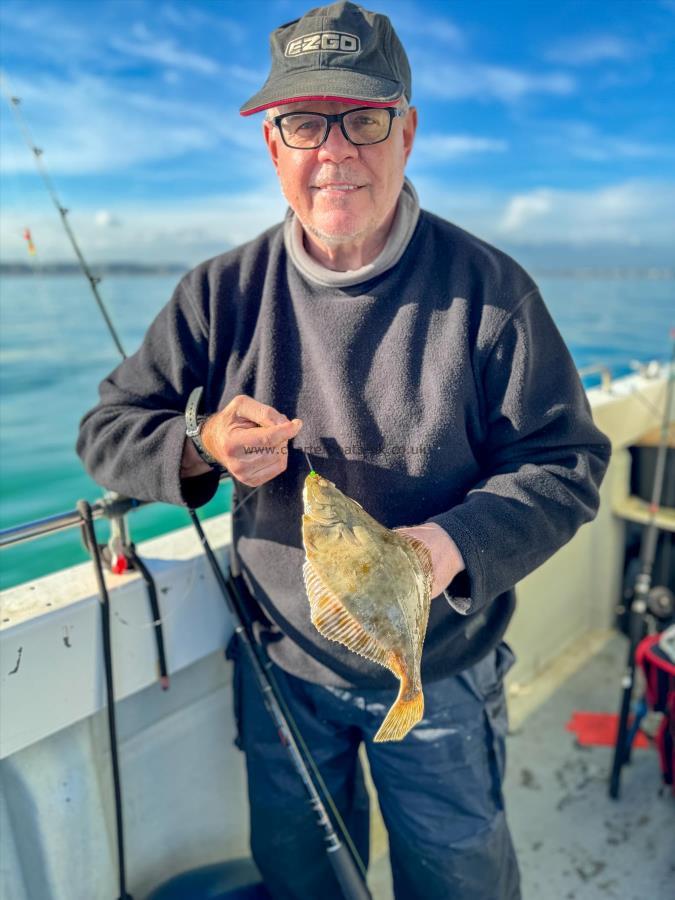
(317, 183)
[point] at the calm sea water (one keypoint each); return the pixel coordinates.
(55, 350)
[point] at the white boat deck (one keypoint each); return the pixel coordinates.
(573, 842)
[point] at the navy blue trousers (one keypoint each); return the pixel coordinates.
(439, 789)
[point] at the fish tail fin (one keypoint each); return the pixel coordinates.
(404, 714)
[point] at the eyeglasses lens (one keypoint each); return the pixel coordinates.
(306, 130)
(367, 126)
(303, 130)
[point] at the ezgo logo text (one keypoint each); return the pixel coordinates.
(323, 40)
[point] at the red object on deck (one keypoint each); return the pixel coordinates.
(598, 729)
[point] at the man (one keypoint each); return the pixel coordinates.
(420, 371)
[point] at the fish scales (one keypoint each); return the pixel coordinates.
(369, 588)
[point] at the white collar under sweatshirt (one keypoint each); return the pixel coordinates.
(403, 226)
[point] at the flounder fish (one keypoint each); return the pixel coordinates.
(369, 588)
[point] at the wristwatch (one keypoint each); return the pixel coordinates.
(193, 427)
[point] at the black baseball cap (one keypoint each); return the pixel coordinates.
(336, 52)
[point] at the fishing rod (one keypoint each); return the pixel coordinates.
(344, 858)
(94, 280)
(639, 603)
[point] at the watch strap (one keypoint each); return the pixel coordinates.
(193, 426)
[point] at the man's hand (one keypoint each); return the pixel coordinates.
(445, 557)
(249, 438)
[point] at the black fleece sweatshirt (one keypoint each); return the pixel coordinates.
(439, 390)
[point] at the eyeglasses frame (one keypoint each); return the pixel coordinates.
(394, 113)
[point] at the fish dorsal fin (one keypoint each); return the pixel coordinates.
(332, 620)
(423, 554)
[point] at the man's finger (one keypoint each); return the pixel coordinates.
(272, 436)
(257, 412)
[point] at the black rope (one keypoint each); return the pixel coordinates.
(138, 564)
(89, 535)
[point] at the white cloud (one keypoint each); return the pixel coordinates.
(141, 31)
(460, 81)
(185, 232)
(632, 212)
(585, 141)
(56, 32)
(628, 214)
(436, 28)
(586, 50)
(164, 52)
(49, 34)
(92, 125)
(255, 77)
(443, 147)
(524, 209)
(190, 17)
(103, 218)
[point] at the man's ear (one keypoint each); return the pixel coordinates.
(272, 141)
(409, 129)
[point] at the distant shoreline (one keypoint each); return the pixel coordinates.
(112, 268)
(656, 273)
(653, 273)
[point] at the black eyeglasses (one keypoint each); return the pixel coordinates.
(309, 130)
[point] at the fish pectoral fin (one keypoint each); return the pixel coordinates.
(335, 623)
(407, 710)
(363, 535)
(348, 535)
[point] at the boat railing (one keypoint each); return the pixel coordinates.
(28, 531)
(111, 506)
(604, 371)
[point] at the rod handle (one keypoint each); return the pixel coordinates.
(350, 881)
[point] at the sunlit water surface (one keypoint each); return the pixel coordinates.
(55, 350)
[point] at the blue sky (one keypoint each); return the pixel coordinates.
(545, 128)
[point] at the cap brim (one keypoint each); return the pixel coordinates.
(324, 84)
